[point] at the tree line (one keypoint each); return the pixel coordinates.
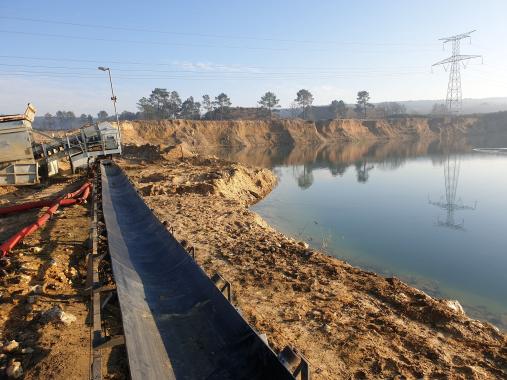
(302, 106)
(66, 120)
(164, 104)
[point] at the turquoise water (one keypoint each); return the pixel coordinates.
(435, 218)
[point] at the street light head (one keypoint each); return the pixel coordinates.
(103, 68)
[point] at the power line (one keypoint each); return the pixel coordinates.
(177, 44)
(151, 63)
(231, 72)
(194, 77)
(205, 35)
(144, 42)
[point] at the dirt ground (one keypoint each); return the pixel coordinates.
(349, 323)
(45, 276)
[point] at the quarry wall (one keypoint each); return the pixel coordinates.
(295, 131)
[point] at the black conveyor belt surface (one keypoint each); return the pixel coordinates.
(177, 324)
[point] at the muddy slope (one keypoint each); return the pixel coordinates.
(349, 323)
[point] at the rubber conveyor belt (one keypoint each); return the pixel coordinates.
(177, 324)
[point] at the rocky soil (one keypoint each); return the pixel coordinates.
(349, 323)
(44, 309)
(43, 331)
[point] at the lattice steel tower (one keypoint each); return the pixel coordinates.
(453, 99)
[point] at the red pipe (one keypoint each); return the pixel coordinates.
(78, 191)
(26, 206)
(68, 199)
(41, 203)
(86, 194)
(16, 238)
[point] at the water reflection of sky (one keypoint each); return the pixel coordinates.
(402, 215)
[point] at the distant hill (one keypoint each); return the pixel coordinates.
(422, 107)
(484, 105)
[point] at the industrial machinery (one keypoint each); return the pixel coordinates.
(24, 161)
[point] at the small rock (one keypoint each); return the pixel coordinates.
(58, 315)
(493, 327)
(303, 244)
(11, 346)
(402, 297)
(315, 313)
(71, 272)
(28, 350)
(35, 249)
(67, 318)
(455, 306)
(2, 357)
(14, 370)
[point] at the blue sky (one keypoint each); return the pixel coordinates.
(333, 48)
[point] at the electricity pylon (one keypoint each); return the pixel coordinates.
(453, 98)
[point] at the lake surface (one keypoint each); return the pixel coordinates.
(429, 213)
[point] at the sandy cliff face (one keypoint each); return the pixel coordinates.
(250, 133)
(278, 132)
(354, 129)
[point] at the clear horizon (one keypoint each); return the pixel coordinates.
(334, 49)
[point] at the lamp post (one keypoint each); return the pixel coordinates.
(113, 99)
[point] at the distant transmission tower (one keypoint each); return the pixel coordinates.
(453, 99)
